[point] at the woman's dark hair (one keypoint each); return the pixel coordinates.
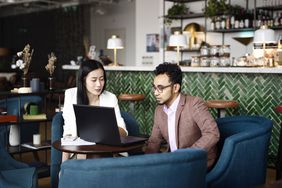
(172, 70)
(85, 68)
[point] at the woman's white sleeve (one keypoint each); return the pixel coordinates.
(68, 114)
(120, 120)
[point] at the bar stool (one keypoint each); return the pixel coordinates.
(278, 165)
(221, 105)
(132, 98)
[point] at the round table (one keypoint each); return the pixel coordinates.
(98, 150)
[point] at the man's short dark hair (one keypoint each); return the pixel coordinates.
(172, 70)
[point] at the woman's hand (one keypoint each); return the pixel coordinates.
(122, 132)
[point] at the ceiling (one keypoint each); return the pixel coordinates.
(16, 7)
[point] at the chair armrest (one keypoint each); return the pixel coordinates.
(8, 163)
(22, 178)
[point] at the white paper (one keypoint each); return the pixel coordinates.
(75, 142)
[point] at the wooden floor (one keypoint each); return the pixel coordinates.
(270, 176)
(44, 183)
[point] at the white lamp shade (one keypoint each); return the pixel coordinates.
(114, 43)
(177, 39)
(264, 35)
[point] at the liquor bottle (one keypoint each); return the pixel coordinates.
(213, 24)
(241, 23)
(269, 17)
(280, 19)
(280, 42)
(223, 21)
(217, 23)
(254, 23)
(247, 19)
(276, 20)
(227, 22)
(237, 21)
(232, 21)
(259, 21)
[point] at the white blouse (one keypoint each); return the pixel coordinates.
(107, 99)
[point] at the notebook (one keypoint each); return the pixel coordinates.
(98, 124)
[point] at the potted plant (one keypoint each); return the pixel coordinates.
(24, 61)
(177, 10)
(215, 8)
(50, 67)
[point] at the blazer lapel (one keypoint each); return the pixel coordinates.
(164, 120)
(180, 107)
(161, 121)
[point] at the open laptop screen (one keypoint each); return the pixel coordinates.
(98, 124)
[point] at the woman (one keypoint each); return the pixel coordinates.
(90, 90)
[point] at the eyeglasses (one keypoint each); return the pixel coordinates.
(160, 88)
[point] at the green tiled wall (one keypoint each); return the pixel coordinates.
(257, 94)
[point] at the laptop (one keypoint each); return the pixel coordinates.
(98, 124)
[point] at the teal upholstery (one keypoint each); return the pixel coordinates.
(183, 168)
(14, 173)
(56, 156)
(243, 149)
(57, 132)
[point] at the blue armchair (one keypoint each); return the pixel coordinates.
(184, 168)
(243, 147)
(57, 132)
(14, 173)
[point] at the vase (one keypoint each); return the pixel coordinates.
(51, 83)
(25, 81)
(14, 135)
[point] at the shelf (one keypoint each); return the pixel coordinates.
(276, 28)
(21, 121)
(184, 1)
(42, 168)
(190, 50)
(8, 94)
(230, 30)
(172, 49)
(188, 16)
(22, 149)
(8, 118)
(271, 8)
(43, 145)
(185, 50)
(239, 30)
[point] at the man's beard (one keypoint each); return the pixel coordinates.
(160, 103)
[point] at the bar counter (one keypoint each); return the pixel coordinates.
(274, 70)
(258, 90)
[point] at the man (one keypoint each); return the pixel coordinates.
(182, 121)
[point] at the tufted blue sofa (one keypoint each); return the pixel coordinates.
(15, 174)
(243, 149)
(57, 132)
(183, 168)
